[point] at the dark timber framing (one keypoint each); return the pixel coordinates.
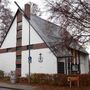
(23, 48)
(18, 44)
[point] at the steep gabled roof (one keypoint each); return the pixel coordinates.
(50, 33)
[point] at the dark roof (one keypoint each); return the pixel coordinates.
(50, 34)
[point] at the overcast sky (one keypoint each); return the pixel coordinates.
(22, 2)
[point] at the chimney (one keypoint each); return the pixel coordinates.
(27, 10)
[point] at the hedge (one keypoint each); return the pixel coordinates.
(59, 79)
(54, 79)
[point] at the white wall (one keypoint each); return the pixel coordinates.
(34, 37)
(10, 40)
(87, 63)
(25, 32)
(84, 65)
(49, 64)
(7, 62)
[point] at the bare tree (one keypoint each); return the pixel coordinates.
(5, 17)
(73, 16)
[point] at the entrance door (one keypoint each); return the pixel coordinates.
(61, 67)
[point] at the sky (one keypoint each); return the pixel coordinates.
(22, 2)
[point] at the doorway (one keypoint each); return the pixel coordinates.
(61, 67)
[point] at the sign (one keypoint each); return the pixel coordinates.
(74, 67)
(29, 58)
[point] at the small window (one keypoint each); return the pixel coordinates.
(18, 57)
(19, 32)
(18, 65)
(74, 67)
(19, 24)
(19, 39)
(19, 35)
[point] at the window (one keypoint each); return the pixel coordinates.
(74, 67)
(19, 25)
(18, 65)
(18, 57)
(19, 32)
(19, 39)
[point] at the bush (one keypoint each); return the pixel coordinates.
(39, 78)
(1, 73)
(60, 79)
(54, 79)
(84, 79)
(6, 79)
(22, 80)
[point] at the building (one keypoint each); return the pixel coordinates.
(47, 57)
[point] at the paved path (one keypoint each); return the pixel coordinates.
(6, 89)
(8, 86)
(17, 86)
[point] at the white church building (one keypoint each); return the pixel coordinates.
(38, 36)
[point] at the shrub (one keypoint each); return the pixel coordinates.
(38, 78)
(1, 73)
(22, 80)
(54, 79)
(6, 79)
(84, 79)
(60, 79)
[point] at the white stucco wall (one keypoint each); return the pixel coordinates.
(87, 63)
(10, 40)
(49, 64)
(84, 65)
(34, 37)
(7, 62)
